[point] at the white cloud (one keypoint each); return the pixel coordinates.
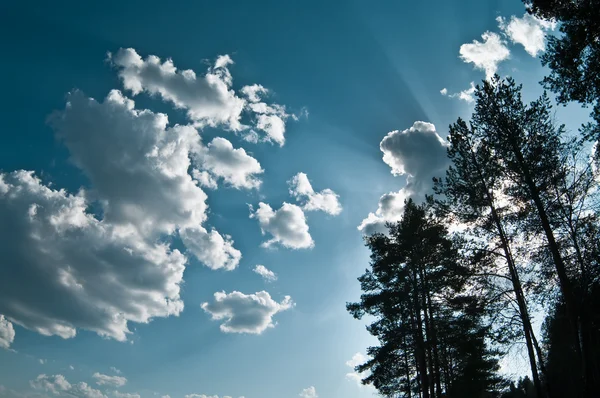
(42, 361)
(266, 273)
(106, 380)
(201, 396)
(358, 359)
(59, 386)
(326, 200)
(485, 55)
(274, 126)
(115, 370)
(100, 275)
(418, 153)
(205, 179)
(216, 251)
(309, 392)
(254, 92)
(106, 269)
(137, 165)
(7, 332)
(119, 394)
(234, 165)
(246, 313)
(287, 225)
(71, 367)
(208, 99)
(528, 31)
(467, 95)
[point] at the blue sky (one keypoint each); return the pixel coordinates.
(130, 221)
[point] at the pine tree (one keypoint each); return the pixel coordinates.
(431, 331)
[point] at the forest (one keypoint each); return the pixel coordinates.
(509, 234)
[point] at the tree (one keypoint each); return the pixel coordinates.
(530, 148)
(471, 194)
(573, 57)
(431, 331)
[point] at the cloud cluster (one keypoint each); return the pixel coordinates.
(529, 31)
(326, 200)
(419, 154)
(265, 273)
(104, 254)
(287, 225)
(7, 333)
(209, 99)
(245, 313)
(57, 385)
(106, 272)
(485, 55)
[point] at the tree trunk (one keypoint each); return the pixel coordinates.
(514, 276)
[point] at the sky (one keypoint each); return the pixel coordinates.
(184, 187)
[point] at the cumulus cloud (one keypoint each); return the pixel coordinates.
(485, 55)
(245, 313)
(215, 250)
(419, 154)
(99, 275)
(115, 370)
(528, 31)
(326, 200)
(204, 179)
(266, 273)
(309, 392)
(233, 165)
(209, 99)
(138, 168)
(7, 332)
(137, 165)
(59, 386)
(287, 225)
(110, 266)
(467, 95)
(106, 380)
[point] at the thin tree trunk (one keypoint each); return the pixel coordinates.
(561, 271)
(514, 276)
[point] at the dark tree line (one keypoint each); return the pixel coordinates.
(521, 196)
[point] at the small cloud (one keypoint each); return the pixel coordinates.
(466, 95)
(529, 31)
(309, 392)
(106, 380)
(485, 55)
(444, 91)
(42, 361)
(326, 200)
(287, 225)
(115, 370)
(266, 274)
(246, 313)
